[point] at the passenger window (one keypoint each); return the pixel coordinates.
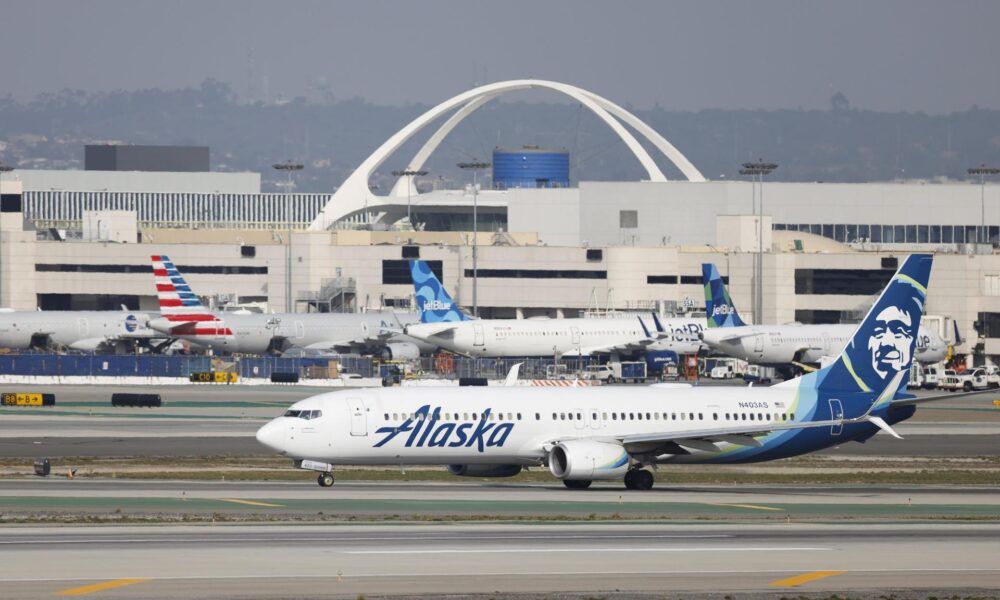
(474, 417)
(614, 416)
(639, 416)
(518, 416)
(386, 416)
(593, 416)
(538, 416)
(700, 417)
(673, 416)
(647, 416)
(691, 416)
(751, 416)
(604, 416)
(510, 417)
(553, 416)
(562, 416)
(715, 416)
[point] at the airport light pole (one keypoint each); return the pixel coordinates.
(289, 167)
(983, 171)
(3, 169)
(475, 166)
(758, 169)
(409, 173)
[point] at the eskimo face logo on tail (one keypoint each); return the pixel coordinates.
(131, 323)
(891, 343)
(427, 431)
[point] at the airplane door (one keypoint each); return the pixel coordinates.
(836, 412)
(576, 336)
(758, 344)
(300, 330)
(82, 327)
(479, 339)
(578, 417)
(359, 416)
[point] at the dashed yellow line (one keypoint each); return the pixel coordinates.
(805, 578)
(99, 587)
(753, 506)
(250, 502)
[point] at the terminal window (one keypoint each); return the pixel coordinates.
(847, 282)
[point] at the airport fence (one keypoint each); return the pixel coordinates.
(69, 365)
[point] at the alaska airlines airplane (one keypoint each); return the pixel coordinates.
(785, 344)
(444, 324)
(84, 330)
(608, 433)
(183, 316)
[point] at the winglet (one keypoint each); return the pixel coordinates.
(511, 379)
(958, 336)
(644, 329)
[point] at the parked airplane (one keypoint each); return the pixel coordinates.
(85, 330)
(606, 433)
(183, 316)
(785, 344)
(443, 323)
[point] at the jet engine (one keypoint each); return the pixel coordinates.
(400, 351)
(588, 460)
(484, 470)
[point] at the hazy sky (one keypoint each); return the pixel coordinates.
(884, 55)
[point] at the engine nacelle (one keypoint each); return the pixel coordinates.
(400, 351)
(484, 470)
(588, 459)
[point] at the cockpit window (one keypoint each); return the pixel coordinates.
(304, 414)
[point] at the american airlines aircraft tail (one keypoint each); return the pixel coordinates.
(719, 307)
(433, 301)
(180, 306)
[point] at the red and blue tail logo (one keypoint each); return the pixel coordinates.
(180, 305)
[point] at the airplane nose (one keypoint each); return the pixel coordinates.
(272, 436)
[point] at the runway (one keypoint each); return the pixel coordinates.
(346, 561)
(473, 499)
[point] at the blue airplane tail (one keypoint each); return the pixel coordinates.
(433, 302)
(875, 363)
(719, 307)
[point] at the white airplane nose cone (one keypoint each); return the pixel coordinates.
(272, 436)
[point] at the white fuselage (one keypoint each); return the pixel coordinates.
(445, 425)
(563, 337)
(256, 333)
(85, 330)
(783, 344)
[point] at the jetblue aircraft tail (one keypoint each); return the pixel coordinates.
(875, 363)
(433, 302)
(719, 307)
(174, 293)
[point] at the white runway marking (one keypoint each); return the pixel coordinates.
(550, 550)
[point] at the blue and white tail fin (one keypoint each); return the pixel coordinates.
(433, 302)
(958, 336)
(719, 307)
(875, 363)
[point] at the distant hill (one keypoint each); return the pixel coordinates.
(331, 137)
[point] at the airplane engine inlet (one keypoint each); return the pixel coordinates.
(400, 351)
(484, 470)
(587, 459)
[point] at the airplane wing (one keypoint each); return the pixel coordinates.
(909, 399)
(613, 348)
(743, 434)
(446, 329)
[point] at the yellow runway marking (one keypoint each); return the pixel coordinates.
(805, 578)
(99, 587)
(753, 506)
(250, 502)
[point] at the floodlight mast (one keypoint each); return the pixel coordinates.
(758, 169)
(289, 167)
(475, 166)
(409, 173)
(982, 170)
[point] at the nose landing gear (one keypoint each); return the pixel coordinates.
(325, 479)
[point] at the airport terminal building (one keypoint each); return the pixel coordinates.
(82, 240)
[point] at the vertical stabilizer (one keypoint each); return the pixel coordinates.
(433, 302)
(719, 308)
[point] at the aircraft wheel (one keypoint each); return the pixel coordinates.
(630, 479)
(325, 479)
(642, 480)
(577, 484)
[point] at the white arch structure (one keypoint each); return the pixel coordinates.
(354, 196)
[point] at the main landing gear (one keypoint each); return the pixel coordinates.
(325, 479)
(577, 484)
(639, 479)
